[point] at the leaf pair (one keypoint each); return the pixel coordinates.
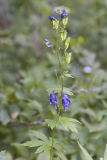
(67, 123)
(43, 143)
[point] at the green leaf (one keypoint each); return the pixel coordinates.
(39, 135)
(55, 89)
(66, 74)
(67, 91)
(51, 123)
(69, 123)
(44, 148)
(58, 146)
(43, 144)
(62, 156)
(105, 154)
(4, 117)
(33, 143)
(86, 154)
(105, 104)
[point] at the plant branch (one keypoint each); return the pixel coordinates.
(26, 124)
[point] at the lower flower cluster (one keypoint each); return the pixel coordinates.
(65, 101)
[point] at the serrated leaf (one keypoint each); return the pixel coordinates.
(51, 123)
(67, 91)
(43, 144)
(33, 143)
(66, 74)
(105, 154)
(55, 89)
(69, 123)
(86, 154)
(43, 148)
(69, 75)
(39, 135)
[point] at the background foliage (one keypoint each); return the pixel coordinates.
(26, 71)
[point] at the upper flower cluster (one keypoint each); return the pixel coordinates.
(65, 101)
(63, 14)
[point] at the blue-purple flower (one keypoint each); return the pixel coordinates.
(87, 69)
(64, 14)
(48, 43)
(65, 101)
(52, 18)
(53, 100)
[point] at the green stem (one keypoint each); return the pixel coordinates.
(51, 150)
(53, 134)
(60, 66)
(62, 92)
(58, 113)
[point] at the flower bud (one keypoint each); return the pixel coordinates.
(55, 24)
(68, 58)
(65, 21)
(67, 43)
(63, 35)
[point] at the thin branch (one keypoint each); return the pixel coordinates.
(26, 124)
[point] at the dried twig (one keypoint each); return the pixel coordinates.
(25, 124)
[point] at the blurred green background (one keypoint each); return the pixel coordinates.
(27, 69)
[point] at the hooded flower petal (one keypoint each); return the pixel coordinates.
(52, 18)
(65, 101)
(53, 100)
(64, 14)
(48, 43)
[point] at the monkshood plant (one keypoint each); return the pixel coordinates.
(59, 97)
